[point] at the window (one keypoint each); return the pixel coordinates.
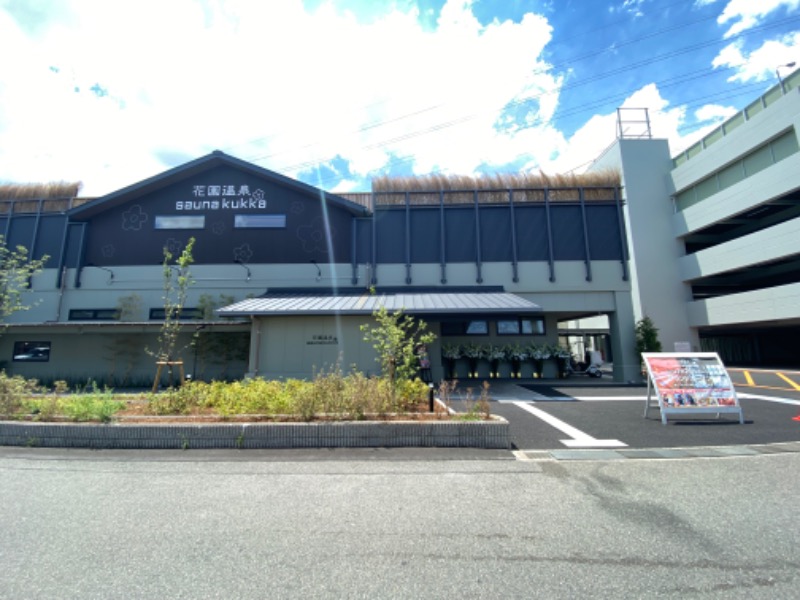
(182, 222)
(157, 314)
(475, 327)
(259, 221)
(534, 326)
(31, 351)
(94, 314)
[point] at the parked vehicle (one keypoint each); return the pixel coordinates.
(590, 366)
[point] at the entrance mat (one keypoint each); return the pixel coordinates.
(550, 393)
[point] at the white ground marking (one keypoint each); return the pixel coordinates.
(579, 438)
(770, 399)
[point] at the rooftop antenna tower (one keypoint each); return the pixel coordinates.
(633, 123)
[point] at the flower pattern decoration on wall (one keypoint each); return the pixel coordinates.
(134, 218)
(297, 207)
(174, 246)
(108, 251)
(218, 228)
(313, 236)
(242, 253)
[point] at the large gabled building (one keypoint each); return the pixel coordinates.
(285, 273)
(705, 243)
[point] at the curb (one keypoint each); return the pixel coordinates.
(659, 453)
(492, 434)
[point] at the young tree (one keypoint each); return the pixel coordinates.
(396, 337)
(16, 270)
(177, 280)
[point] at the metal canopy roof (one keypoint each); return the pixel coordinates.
(365, 303)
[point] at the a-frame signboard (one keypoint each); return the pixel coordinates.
(689, 384)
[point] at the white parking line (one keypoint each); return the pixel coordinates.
(771, 399)
(579, 438)
(573, 399)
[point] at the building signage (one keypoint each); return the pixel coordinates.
(323, 340)
(689, 383)
(223, 197)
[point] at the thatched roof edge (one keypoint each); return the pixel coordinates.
(39, 191)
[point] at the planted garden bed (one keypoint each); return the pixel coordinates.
(331, 411)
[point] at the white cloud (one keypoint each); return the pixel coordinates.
(714, 112)
(761, 63)
(597, 134)
(265, 81)
(745, 14)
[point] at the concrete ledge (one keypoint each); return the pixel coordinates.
(492, 434)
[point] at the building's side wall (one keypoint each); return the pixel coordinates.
(659, 290)
(119, 358)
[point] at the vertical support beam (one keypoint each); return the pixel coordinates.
(354, 251)
(81, 256)
(514, 257)
(8, 222)
(478, 257)
(442, 239)
(63, 256)
(35, 235)
(408, 238)
(623, 238)
(586, 252)
(550, 259)
(374, 275)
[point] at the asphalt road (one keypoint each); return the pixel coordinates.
(393, 524)
(552, 415)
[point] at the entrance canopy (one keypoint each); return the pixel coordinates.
(362, 302)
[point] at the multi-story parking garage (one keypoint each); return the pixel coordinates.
(715, 232)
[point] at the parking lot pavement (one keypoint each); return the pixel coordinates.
(561, 417)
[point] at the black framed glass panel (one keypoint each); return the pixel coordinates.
(31, 351)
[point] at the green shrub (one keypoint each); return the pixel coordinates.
(90, 407)
(14, 391)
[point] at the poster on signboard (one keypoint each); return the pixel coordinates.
(690, 382)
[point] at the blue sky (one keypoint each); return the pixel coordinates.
(335, 92)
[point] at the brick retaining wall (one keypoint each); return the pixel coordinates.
(368, 434)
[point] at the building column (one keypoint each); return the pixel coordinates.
(622, 327)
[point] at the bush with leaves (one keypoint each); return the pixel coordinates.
(647, 336)
(396, 337)
(16, 270)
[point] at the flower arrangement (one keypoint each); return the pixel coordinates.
(472, 350)
(473, 353)
(495, 353)
(542, 352)
(451, 351)
(562, 355)
(560, 352)
(515, 352)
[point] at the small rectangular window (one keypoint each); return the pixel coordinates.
(94, 314)
(31, 351)
(533, 326)
(259, 221)
(476, 327)
(508, 327)
(157, 314)
(180, 222)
